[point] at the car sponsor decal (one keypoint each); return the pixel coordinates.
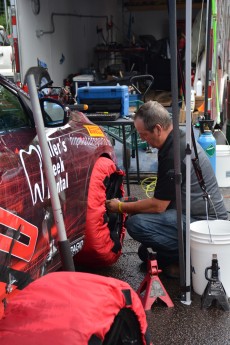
(94, 131)
(76, 246)
(89, 141)
(24, 245)
(37, 187)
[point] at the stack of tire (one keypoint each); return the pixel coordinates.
(75, 308)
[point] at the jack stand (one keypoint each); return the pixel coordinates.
(153, 287)
(214, 290)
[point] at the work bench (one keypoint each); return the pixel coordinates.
(126, 127)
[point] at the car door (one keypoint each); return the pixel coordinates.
(28, 235)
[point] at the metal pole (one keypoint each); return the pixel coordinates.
(208, 39)
(188, 141)
(176, 136)
(64, 246)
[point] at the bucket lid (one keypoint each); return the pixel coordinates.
(223, 148)
(216, 231)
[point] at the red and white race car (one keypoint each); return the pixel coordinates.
(79, 150)
(61, 307)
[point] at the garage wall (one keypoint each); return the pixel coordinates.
(67, 45)
(71, 46)
(148, 23)
(153, 22)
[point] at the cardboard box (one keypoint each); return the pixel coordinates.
(182, 117)
(199, 100)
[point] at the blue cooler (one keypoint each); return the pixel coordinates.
(111, 99)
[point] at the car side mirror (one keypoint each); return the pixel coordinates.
(53, 112)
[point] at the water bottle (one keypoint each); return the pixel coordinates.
(192, 100)
(199, 88)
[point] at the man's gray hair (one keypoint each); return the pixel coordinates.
(153, 113)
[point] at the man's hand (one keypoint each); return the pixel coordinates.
(113, 205)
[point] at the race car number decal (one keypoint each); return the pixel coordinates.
(27, 232)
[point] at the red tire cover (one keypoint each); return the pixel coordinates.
(98, 245)
(67, 308)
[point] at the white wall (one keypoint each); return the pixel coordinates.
(74, 37)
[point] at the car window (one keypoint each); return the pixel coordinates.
(12, 114)
(4, 41)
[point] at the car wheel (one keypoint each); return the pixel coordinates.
(124, 330)
(104, 231)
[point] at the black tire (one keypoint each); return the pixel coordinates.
(41, 75)
(124, 330)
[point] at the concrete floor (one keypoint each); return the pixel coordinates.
(182, 324)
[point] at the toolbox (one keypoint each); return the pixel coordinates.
(114, 99)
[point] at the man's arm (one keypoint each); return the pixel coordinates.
(151, 205)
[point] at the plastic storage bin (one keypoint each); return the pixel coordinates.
(105, 98)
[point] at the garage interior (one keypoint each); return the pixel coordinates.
(107, 43)
(103, 43)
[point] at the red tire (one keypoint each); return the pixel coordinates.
(104, 232)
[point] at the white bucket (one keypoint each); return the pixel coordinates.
(223, 165)
(203, 246)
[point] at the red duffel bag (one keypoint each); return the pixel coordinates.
(75, 309)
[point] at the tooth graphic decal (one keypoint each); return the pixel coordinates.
(30, 159)
(33, 168)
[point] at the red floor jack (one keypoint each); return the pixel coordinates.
(151, 287)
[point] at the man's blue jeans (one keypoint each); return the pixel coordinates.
(158, 231)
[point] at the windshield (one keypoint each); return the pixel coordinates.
(12, 114)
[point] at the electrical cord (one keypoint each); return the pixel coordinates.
(209, 230)
(207, 213)
(219, 130)
(148, 185)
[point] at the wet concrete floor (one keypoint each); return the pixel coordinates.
(181, 324)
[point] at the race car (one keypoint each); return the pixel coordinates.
(85, 171)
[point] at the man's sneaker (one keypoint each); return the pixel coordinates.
(146, 253)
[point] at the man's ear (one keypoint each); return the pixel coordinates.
(158, 128)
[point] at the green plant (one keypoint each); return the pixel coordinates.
(3, 20)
